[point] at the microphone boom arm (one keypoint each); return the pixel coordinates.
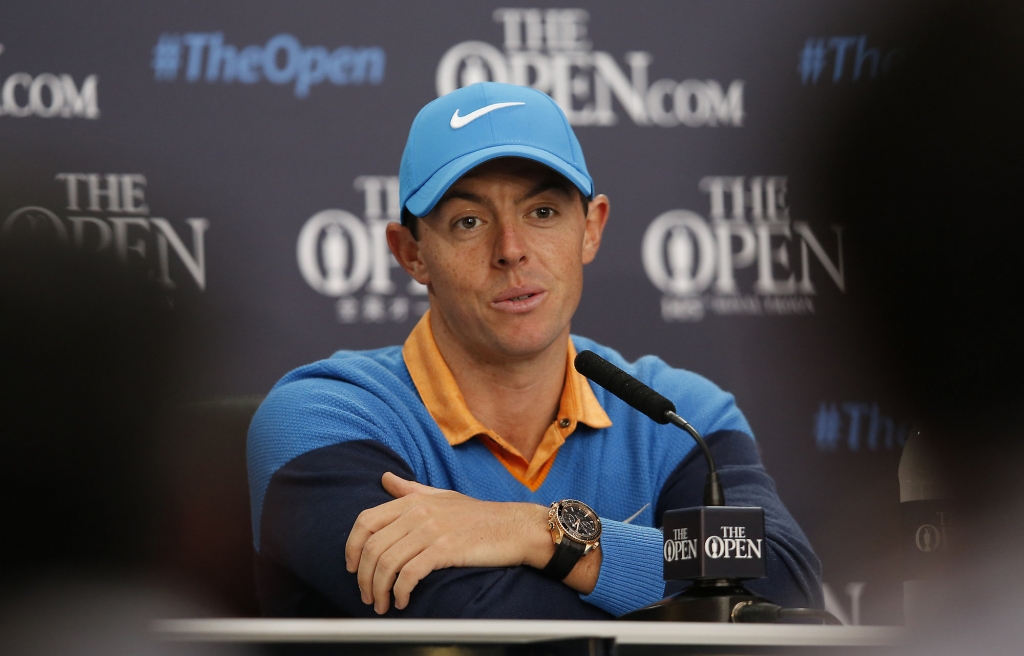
(654, 405)
(713, 493)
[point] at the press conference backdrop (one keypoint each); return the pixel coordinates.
(246, 154)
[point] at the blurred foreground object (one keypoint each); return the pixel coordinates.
(84, 359)
(88, 352)
(928, 172)
(928, 521)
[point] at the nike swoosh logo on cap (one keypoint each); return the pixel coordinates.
(462, 121)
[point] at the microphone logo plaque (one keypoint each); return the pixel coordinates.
(714, 542)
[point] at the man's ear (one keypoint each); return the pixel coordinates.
(406, 250)
(597, 217)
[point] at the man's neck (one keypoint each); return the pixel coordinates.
(517, 398)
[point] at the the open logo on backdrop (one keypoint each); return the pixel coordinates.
(108, 213)
(696, 261)
(348, 258)
(548, 49)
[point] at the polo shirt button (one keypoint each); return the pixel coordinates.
(564, 423)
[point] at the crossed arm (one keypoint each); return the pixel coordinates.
(393, 546)
(310, 510)
(339, 533)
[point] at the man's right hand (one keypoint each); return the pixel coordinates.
(396, 544)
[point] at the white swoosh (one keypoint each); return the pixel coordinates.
(635, 515)
(462, 121)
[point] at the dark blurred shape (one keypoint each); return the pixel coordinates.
(95, 455)
(110, 466)
(928, 174)
(207, 531)
(85, 349)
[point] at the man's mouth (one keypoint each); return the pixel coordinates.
(522, 299)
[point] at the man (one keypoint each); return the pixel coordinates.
(424, 473)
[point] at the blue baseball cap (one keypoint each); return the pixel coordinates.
(480, 122)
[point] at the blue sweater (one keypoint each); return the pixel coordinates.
(327, 432)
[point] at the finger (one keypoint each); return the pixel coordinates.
(376, 545)
(367, 523)
(399, 487)
(415, 571)
(391, 563)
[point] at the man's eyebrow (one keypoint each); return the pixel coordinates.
(463, 195)
(536, 190)
(545, 185)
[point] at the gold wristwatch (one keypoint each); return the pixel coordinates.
(576, 531)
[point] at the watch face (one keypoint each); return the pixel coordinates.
(579, 521)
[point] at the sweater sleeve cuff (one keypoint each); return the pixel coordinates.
(631, 568)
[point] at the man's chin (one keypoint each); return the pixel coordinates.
(524, 343)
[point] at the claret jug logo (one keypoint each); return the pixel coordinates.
(696, 262)
(733, 543)
(681, 546)
(548, 49)
(108, 213)
(347, 258)
(48, 95)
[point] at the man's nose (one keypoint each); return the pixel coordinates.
(510, 247)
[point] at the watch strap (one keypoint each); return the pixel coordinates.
(567, 553)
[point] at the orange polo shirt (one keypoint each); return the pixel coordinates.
(440, 393)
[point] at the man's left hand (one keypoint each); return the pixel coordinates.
(396, 544)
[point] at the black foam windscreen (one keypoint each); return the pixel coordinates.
(624, 386)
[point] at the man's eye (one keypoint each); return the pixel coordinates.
(467, 223)
(543, 212)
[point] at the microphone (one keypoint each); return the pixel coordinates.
(624, 386)
(654, 405)
(714, 545)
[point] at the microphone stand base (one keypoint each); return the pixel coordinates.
(704, 601)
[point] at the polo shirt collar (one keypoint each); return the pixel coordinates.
(443, 398)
